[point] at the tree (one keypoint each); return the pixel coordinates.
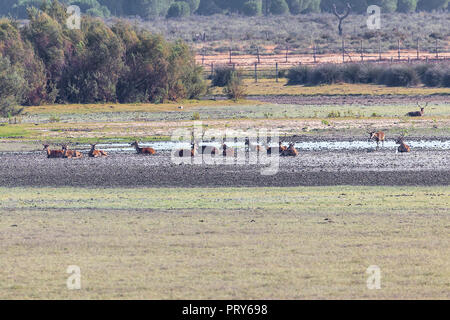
(252, 8)
(208, 7)
(178, 9)
(430, 5)
(341, 17)
(193, 4)
(11, 88)
(407, 5)
(303, 6)
(279, 7)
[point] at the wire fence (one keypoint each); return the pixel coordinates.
(271, 64)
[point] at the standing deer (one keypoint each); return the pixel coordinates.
(418, 113)
(53, 153)
(403, 146)
(96, 153)
(71, 154)
(378, 136)
(146, 151)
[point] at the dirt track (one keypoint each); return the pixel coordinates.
(310, 169)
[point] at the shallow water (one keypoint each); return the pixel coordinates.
(310, 145)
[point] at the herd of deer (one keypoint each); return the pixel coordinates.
(73, 154)
(290, 151)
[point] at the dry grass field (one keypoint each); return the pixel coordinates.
(225, 243)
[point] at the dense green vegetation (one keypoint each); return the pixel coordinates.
(431, 75)
(180, 8)
(45, 62)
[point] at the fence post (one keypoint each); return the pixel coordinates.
(398, 46)
(287, 53)
(362, 51)
(203, 56)
(276, 70)
(257, 52)
(314, 52)
(230, 57)
(343, 50)
(256, 72)
(379, 48)
(418, 49)
(437, 52)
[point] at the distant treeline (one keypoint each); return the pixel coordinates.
(180, 8)
(45, 62)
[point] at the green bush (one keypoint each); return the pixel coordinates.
(433, 77)
(179, 9)
(325, 74)
(222, 76)
(446, 79)
(298, 75)
(235, 89)
(399, 76)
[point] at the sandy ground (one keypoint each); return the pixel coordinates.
(385, 167)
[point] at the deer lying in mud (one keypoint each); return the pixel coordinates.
(378, 136)
(290, 151)
(252, 147)
(403, 146)
(418, 113)
(53, 153)
(280, 149)
(186, 152)
(210, 150)
(147, 151)
(96, 153)
(71, 154)
(227, 151)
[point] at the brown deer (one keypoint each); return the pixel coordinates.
(146, 151)
(281, 149)
(210, 150)
(227, 151)
(290, 151)
(252, 147)
(378, 136)
(71, 154)
(418, 113)
(403, 146)
(53, 153)
(187, 152)
(96, 153)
